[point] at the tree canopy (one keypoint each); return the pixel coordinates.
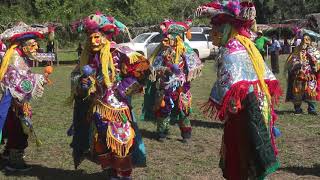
(138, 13)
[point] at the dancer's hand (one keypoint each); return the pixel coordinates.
(85, 82)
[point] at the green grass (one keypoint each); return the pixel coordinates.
(67, 56)
(299, 145)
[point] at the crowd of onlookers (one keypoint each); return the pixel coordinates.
(274, 47)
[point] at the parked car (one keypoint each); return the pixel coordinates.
(140, 43)
(199, 43)
(146, 43)
(214, 50)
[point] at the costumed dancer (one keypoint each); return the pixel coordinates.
(167, 96)
(303, 66)
(18, 86)
(3, 49)
(243, 95)
(104, 127)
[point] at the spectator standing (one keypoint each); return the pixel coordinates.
(286, 47)
(274, 50)
(261, 43)
(50, 47)
(79, 50)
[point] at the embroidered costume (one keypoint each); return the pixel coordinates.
(18, 86)
(104, 127)
(243, 95)
(174, 64)
(303, 67)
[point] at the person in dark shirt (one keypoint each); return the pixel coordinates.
(79, 51)
(50, 47)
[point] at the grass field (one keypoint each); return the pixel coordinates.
(67, 56)
(299, 145)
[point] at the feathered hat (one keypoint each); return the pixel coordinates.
(170, 27)
(99, 22)
(22, 32)
(240, 15)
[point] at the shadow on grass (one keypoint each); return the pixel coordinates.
(46, 173)
(302, 171)
(194, 123)
(206, 124)
(152, 135)
(284, 112)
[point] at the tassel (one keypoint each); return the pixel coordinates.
(107, 63)
(120, 148)
(110, 113)
(134, 57)
(188, 34)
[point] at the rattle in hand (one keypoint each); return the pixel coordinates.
(47, 71)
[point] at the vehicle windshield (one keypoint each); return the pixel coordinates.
(141, 38)
(198, 37)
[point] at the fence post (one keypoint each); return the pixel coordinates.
(56, 53)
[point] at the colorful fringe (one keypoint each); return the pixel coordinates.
(134, 57)
(185, 102)
(194, 73)
(238, 92)
(120, 148)
(111, 113)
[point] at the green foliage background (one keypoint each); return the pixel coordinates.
(135, 13)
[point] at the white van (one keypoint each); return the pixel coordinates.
(146, 43)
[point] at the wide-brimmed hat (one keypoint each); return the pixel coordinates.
(229, 11)
(22, 32)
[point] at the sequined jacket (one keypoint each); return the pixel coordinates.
(20, 81)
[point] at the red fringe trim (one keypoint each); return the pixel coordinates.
(238, 92)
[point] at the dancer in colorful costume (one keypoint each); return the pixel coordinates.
(243, 95)
(18, 86)
(103, 124)
(303, 67)
(174, 65)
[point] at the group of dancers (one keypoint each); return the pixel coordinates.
(104, 127)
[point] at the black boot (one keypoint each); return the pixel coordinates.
(5, 154)
(16, 161)
(186, 136)
(161, 136)
(297, 110)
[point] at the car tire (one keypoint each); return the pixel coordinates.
(197, 52)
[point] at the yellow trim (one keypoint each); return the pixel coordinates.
(107, 63)
(257, 61)
(180, 49)
(135, 57)
(6, 60)
(111, 113)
